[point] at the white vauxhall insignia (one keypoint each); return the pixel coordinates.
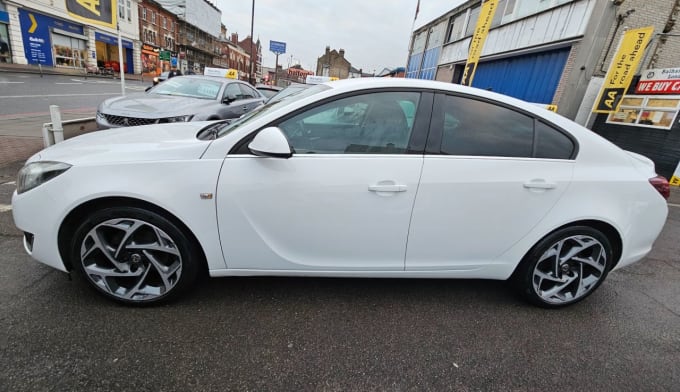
(358, 178)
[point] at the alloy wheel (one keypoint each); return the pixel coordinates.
(131, 259)
(569, 269)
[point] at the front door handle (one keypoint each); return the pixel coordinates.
(387, 188)
(245, 108)
(539, 184)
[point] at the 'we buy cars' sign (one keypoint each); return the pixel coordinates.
(659, 81)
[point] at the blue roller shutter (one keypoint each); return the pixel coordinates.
(533, 77)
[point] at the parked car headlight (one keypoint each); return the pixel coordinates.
(179, 118)
(36, 173)
(155, 79)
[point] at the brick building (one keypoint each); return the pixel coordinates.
(255, 53)
(233, 56)
(158, 31)
(333, 63)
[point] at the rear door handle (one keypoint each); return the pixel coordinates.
(387, 188)
(539, 184)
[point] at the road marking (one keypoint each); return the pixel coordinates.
(66, 83)
(673, 205)
(2, 82)
(5, 207)
(58, 95)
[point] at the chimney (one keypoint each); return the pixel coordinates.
(342, 53)
(234, 38)
(328, 49)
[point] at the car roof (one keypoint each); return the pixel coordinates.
(215, 78)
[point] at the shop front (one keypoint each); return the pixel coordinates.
(52, 42)
(165, 58)
(151, 64)
(646, 121)
(5, 46)
(107, 53)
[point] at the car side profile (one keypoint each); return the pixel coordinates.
(390, 178)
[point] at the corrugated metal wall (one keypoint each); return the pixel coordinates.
(533, 77)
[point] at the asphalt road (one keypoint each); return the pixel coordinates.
(25, 99)
(338, 334)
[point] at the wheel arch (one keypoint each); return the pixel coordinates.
(70, 223)
(605, 228)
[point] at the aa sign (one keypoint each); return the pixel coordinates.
(622, 69)
(100, 12)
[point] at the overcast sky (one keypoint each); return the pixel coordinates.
(374, 34)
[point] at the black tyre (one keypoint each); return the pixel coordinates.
(564, 267)
(134, 256)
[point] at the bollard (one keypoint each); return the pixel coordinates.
(57, 128)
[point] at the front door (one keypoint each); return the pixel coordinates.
(342, 202)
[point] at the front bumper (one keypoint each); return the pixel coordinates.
(38, 216)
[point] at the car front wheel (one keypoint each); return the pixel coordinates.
(134, 256)
(564, 267)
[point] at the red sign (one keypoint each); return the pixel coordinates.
(669, 86)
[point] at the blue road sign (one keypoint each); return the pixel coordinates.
(277, 47)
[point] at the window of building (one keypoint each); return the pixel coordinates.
(650, 111)
(374, 123)
(456, 26)
(129, 11)
(153, 17)
(143, 13)
(472, 21)
(163, 22)
(121, 10)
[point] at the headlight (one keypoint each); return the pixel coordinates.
(179, 118)
(36, 173)
(155, 79)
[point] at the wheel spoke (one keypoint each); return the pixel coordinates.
(105, 250)
(129, 231)
(135, 289)
(153, 248)
(558, 288)
(590, 263)
(94, 269)
(165, 272)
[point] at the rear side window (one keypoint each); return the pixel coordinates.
(472, 127)
(551, 143)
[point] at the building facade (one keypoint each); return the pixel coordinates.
(334, 64)
(158, 32)
(41, 32)
(557, 52)
(198, 39)
(254, 50)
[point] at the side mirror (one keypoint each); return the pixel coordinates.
(229, 99)
(270, 142)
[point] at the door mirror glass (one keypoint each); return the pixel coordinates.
(270, 142)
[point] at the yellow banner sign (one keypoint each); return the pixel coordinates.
(232, 73)
(100, 12)
(622, 69)
(477, 44)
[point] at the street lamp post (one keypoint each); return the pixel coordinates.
(252, 43)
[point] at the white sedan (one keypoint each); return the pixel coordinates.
(359, 178)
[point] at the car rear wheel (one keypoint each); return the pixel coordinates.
(134, 256)
(565, 267)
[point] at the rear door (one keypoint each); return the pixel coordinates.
(251, 97)
(490, 174)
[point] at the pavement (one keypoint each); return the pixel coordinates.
(34, 69)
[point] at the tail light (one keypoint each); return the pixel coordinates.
(660, 183)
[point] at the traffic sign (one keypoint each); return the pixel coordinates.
(277, 47)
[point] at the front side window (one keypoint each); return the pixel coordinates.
(233, 91)
(374, 123)
(188, 87)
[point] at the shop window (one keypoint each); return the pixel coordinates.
(646, 111)
(68, 51)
